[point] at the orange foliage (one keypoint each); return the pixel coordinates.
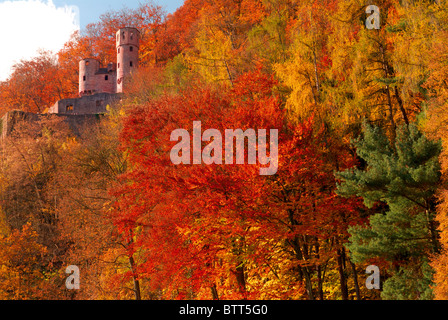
(214, 231)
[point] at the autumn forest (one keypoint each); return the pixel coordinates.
(362, 158)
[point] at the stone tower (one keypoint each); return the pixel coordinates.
(127, 54)
(95, 79)
(87, 79)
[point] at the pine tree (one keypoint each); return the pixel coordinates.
(403, 176)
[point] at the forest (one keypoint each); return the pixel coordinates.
(362, 158)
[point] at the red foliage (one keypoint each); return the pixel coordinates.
(198, 223)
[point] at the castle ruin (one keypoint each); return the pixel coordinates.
(100, 86)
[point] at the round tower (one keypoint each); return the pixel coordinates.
(128, 45)
(87, 79)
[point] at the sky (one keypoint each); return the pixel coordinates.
(32, 25)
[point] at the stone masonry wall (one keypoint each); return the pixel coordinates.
(92, 104)
(76, 123)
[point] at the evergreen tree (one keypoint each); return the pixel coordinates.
(404, 176)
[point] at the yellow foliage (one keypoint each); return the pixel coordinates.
(20, 274)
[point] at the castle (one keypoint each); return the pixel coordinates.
(98, 86)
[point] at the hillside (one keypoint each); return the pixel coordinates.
(342, 107)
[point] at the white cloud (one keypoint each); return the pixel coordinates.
(30, 25)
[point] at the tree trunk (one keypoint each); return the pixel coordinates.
(136, 290)
(320, 291)
(433, 232)
(385, 67)
(308, 283)
(240, 278)
(342, 279)
(214, 292)
(400, 105)
(316, 76)
(238, 250)
(355, 280)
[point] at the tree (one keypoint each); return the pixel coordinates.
(35, 84)
(404, 176)
(268, 40)
(100, 36)
(218, 53)
(434, 120)
(304, 72)
(230, 232)
(22, 273)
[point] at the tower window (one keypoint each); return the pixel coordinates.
(131, 48)
(131, 64)
(106, 78)
(118, 65)
(124, 36)
(132, 35)
(84, 78)
(87, 63)
(69, 107)
(118, 50)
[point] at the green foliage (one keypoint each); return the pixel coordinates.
(403, 175)
(177, 75)
(268, 39)
(407, 170)
(409, 284)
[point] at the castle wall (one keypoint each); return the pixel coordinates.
(12, 118)
(105, 82)
(94, 79)
(89, 104)
(76, 123)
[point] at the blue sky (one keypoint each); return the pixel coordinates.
(34, 25)
(90, 10)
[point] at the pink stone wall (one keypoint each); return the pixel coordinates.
(91, 80)
(87, 80)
